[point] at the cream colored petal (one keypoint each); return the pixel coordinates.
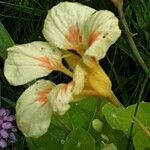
(27, 62)
(101, 30)
(59, 98)
(63, 25)
(33, 114)
(78, 80)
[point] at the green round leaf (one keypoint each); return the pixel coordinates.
(79, 139)
(121, 119)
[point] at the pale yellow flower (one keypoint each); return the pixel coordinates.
(79, 34)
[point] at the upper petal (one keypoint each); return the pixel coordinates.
(64, 24)
(59, 98)
(33, 114)
(27, 62)
(101, 30)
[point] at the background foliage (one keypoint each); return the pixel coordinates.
(23, 20)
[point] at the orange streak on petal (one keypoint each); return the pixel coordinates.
(47, 63)
(43, 96)
(73, 35)
(44, 62)
(92, 37)
(74, 38)
(64, 88)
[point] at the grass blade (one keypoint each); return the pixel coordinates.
(5, 41)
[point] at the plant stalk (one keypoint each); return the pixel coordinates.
(131, 41)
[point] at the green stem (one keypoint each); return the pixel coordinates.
(131, 41)
(114, 100)
(136, 110)
(142, 126)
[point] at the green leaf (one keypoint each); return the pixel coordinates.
(5, 41)
(121, 139)
(122, 118)
(110, 135)
(117, 117)
(79, 139)
(81, 114)
(141, 142)
(45, 142)
(31, 144)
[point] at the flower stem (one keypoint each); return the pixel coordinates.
(142, 126)
(100, 82)
(114, 100)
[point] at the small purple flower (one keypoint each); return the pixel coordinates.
(7, 129)
(7, 125)
(4, 133)
(9, 118)
(4, 112)
(3, 143)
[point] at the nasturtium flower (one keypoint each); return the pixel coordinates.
(81, 36)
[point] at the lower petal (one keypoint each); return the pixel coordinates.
(59, 98)
(33, 114)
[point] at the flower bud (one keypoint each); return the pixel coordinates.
(97, 125)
